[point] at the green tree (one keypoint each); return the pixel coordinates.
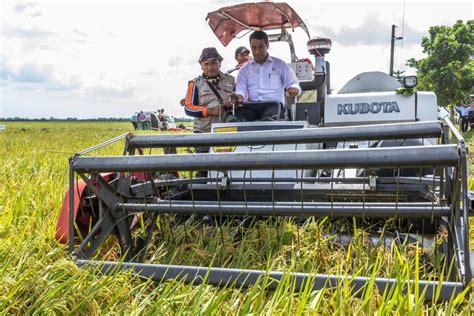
(448, 70)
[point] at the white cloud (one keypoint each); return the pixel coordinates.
(21, 32)
(82, 34)
(372, 31)
(27, 8)
(110, 91)
(37, 76)
(175, 61)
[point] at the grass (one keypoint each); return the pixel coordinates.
(38, 276)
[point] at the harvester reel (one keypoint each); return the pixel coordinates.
(428, 208)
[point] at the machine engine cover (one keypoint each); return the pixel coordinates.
(379, 107)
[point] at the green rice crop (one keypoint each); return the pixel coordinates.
(38, 276)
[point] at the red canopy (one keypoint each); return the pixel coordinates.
(228, 22)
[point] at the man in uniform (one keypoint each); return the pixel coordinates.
(206, 93)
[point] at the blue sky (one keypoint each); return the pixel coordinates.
(107, 58)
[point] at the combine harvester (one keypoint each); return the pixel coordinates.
(366, 153)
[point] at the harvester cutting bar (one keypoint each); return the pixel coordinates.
(147, 187)
(294, 136)
(412, 156)
(241, 278)
(287, 209)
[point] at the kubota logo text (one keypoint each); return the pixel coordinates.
(364, 108)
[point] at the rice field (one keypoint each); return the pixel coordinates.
(37, 275)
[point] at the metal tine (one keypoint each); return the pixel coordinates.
(230, 180)
(432, 215)
(250, 171)
(296, 171)
(245, 191)
(273, 185)
(150, 229)
(442, 187)
(171, 206)
(273, 200)
(363, 193)
(220, 208)
(422, 144)
(332, 192)
(142, 183)
(302, 204)
(155, 218)
(433, 188)
(186, 237)
(397, 195)
(193, 202)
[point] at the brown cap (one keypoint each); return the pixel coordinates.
(209, 53)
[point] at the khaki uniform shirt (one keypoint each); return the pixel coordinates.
(208, 99)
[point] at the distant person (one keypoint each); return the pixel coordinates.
(463, 110)
(134, 120)
(242, 56)
(161, 114)
(264, 78)
(471, 113)
(206, 93)
(142, 120)
(164, 120)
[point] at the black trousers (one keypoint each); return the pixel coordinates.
(263, 112)
(464, 123)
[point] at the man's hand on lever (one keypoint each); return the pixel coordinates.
(235, 99)
(292, 91)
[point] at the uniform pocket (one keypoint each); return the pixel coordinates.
(205, 97)
(274, 81)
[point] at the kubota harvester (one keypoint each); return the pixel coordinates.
(366, 153)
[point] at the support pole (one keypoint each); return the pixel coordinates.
(392, 48)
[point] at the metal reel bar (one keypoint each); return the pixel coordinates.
(297, 136)
(413, 156)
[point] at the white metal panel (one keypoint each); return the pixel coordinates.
(427, 109)
(260, 125)
(370, 82)
(302, 70)
(363, 108)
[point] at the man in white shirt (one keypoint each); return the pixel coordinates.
(264, 78)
